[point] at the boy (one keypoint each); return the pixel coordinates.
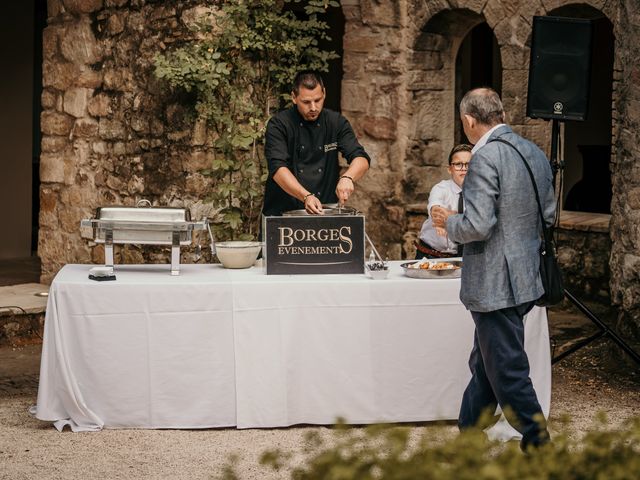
(433, 241)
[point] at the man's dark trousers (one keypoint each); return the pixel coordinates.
(500, 374)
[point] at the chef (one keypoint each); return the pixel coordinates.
(301, 148)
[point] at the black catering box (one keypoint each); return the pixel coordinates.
(312, 244)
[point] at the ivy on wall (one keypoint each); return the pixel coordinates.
(240, 65)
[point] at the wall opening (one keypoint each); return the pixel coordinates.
(478, 64)
(16, 128)
(334, 17)
(587, 145)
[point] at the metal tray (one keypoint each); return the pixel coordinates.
(328, 209)
(423, 273)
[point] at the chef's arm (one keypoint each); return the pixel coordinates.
(290, 184)
(347, 181)
(357, 168)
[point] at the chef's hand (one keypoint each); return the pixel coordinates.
(313, 205)
(441, 232)
(439, 216)
(344, 189)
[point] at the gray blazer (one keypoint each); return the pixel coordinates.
(500, 227)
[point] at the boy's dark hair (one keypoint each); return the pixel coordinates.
(307, 79)
(463, 147)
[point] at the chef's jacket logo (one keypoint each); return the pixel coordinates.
(330, 146)
(322, 241)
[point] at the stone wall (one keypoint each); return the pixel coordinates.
(111, 133)
(625, 208)
(399, 92)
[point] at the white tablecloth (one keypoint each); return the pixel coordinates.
(215, 347)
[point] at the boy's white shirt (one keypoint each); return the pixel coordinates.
(445, 194)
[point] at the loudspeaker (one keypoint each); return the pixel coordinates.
(560, 68)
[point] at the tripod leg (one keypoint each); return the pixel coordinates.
(604, 331)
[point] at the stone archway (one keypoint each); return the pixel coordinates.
(432, 81)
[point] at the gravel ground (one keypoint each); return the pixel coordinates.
(586, 383)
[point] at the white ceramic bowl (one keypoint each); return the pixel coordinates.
(237, 254)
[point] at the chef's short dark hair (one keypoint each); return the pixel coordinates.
(463, 147)
(307, 79)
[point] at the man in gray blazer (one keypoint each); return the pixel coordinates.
(501, 232)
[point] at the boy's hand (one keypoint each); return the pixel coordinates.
(441, 232)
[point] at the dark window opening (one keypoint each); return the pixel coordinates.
(478, 64)
(40, 23)
(587, 144)
(334, 17)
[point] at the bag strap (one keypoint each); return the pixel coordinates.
(533, 182)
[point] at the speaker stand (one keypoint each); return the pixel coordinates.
(603, 328)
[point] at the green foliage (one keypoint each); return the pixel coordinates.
(240, 65)
(393, 453)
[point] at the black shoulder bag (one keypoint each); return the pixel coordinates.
(549, 269)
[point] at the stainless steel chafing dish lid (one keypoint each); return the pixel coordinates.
(144, 214)
(143, 225)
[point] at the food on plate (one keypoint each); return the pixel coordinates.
(434, 266)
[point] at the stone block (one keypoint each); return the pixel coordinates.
(476, 6)
(85, 127)
(112, 129)
(495, 11)
(427, 60)
(69, 218)
(197, 160)
(82, 6)
(139, 124)
(54, 123)
(53, 144)
(50, 41)
(78, 44)
(379, 13)
(379, 127)
(59, 75)
(89, 78)
(100, 105)
(75, 101)
(54, 8)
(515, 57)
(430, 41)
(116, 23)
(48, 200)
(51, 168)
(199, 135)
(362, 41)
(48, 100)
(429, 79)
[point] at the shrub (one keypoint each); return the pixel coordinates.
(393, 453)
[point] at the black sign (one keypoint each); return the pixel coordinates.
(314, 244)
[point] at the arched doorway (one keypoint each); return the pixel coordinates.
(587, 144)
(478, 64)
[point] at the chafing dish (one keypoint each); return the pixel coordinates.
(144, 225)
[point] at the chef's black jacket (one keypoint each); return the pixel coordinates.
(310, 151)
